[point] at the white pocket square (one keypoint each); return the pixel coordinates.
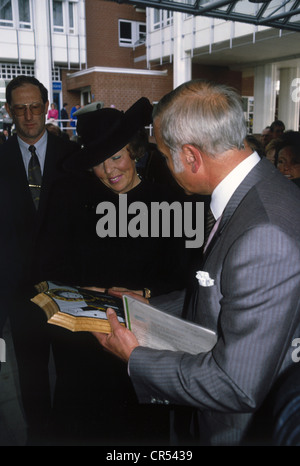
(204, 278)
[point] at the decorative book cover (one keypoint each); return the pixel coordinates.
(75, 308)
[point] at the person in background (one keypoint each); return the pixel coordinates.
(277, 129)
(252, 300)
(289, 156)
(64, 116)
(255, 144)
(6, 120)
(52, 115)
(74, 118)
(266, 136)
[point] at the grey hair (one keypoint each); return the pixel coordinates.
(207, 115)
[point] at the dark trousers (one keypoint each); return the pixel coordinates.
(31, 341)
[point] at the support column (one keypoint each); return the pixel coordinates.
(43, 49)
(182, 65)
(288, 105)
(265, 78)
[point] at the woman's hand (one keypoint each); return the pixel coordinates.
(119, 292)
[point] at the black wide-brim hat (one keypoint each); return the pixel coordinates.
(105, 131)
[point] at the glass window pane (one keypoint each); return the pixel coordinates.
(142, 31)
(58, 21)
(125, 30)
(24, 11)
(71, 15)
(5, 11)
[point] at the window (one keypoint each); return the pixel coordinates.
(24, 14)
(131, 33)
(58, 21)
(64, 16)
(15, 13)
(6, 18)
(162, 18)
(71, 18)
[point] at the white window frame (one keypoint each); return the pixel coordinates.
(137, 36)
(15, 21)
(8, 22)
(161, 18)
(25, 24)
(66, 27)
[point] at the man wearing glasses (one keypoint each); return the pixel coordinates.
(30, 165)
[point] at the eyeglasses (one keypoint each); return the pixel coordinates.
(36, 108)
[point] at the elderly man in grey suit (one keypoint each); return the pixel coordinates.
(253, 261)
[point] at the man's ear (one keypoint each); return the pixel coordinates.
(7, 109)
(46, 107)
(192, 157)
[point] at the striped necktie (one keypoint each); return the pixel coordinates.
(210, 221)
(34, 176)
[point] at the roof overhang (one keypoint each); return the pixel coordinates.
(284, 14)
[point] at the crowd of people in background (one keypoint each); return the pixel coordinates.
(280, 146)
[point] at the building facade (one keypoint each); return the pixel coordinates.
(81, 50)
(117, 72)
(98, 50)
(261, 62)
(42, 38)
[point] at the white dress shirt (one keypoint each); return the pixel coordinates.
(225, 189)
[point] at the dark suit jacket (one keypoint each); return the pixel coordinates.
(21, 234)
(253, 306)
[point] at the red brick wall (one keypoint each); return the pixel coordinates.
(121, 90)
(102, 34)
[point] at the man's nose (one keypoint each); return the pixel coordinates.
(28, 114)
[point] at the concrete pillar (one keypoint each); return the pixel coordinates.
(43, 58)
(182, 65)
(265, 77)
(288, 105)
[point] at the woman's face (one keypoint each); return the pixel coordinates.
(286, 166)
(118, 172)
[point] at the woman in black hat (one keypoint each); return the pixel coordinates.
(94, 401)
(111, 143)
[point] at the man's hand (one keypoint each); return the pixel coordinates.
(120, 341)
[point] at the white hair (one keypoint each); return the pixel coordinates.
(209, 116)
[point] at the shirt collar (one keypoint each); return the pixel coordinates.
(40, 145)
(224, 190)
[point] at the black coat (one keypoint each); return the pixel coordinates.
(23, 240)
(82, 257)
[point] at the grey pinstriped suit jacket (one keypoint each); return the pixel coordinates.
(254, 260)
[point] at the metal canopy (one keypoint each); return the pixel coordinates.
(274, 13)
